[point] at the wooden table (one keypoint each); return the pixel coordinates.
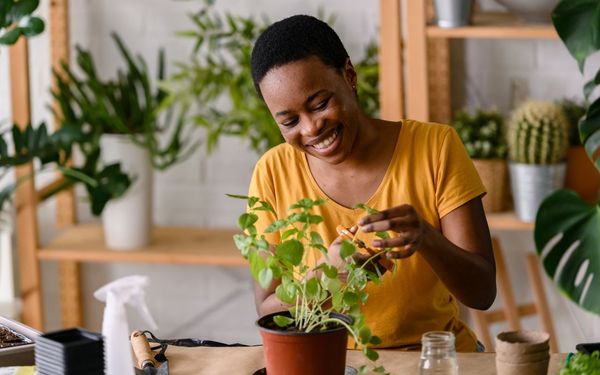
(245, 361)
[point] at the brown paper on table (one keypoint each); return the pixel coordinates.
(246, 360)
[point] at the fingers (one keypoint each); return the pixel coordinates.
(393, 212)
(396, 224)
(402, 239)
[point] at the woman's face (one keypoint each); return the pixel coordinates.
(315, 107)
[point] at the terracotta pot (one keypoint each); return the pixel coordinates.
(522, 353)
(299, 353)
(494, 175)
(581, 174)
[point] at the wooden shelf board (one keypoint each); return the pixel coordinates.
(174, 245)
(495, 25)
(507, 221)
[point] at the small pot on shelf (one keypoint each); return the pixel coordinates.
(452, 13)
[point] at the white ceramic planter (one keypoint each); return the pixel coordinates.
(127, 221)
(22, 355)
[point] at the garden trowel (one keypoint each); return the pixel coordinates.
(144, 357)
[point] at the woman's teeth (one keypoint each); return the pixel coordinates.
(325, 143)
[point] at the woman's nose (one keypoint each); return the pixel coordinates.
(312, 126)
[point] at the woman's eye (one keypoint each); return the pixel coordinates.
(290, 122)
(322, 105)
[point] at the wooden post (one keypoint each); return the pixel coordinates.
(417, 98)
(25, 196)
(66, 213)
(391, 87)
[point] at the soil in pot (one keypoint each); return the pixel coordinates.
(10, 338)
(290, 352)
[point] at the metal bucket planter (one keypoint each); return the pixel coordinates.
(299, 353)
(127, 221)
(452, 13)
(531, 183)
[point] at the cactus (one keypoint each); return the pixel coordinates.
(538, 133)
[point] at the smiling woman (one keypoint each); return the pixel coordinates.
(417, 175)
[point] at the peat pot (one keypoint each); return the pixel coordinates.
(522, 353)
(299, 353)
(531, 183)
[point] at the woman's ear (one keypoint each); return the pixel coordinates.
(350, 74)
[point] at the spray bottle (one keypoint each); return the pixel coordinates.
(130, 291)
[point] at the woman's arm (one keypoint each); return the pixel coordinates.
(461, 254)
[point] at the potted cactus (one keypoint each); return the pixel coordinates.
(537, 137)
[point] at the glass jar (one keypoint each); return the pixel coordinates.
(438, 354)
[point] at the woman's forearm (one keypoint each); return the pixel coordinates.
(469, 276)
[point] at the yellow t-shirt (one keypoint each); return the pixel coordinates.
(430, 170)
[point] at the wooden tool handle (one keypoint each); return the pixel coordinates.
(141, 348)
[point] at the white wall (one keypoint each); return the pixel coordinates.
(183, 298)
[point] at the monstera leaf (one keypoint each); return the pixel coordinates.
(567, 229)
(567, 236)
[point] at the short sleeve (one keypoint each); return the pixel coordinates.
(261, 186)
(457, 180)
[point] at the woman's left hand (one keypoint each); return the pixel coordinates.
(411, 229)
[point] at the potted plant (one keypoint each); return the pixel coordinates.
(324, 302)
(122, 117)
(567, 234)
(580, 175)
(537, 137)
(132, 116)
(483, 136)
(219, 68)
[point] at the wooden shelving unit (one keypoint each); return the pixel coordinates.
(173, 245)
(494, 26)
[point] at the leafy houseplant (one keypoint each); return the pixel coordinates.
(315, 294)
(581, 176)
(16, 20)
(567, 229)
(219, 68)
(483, 136)
(537, 137)
(582, 363)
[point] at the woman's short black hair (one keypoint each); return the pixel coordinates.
(292, 39)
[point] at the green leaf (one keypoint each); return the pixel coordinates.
(375, 340)
(371, 354)
(315, 238)
(282, 321)
(246, 220)
(350, 298)
(330, 271)
(312, 288)
(288, 233)
(576, 22)
(286, 293)
(291, 251)
(589, 132)
(257, 263)
(364, 334)
(332, 285)
(11, 36)
(33, 27)
(275, 226)
(347, 249)
(567, 234)
(265, 277)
